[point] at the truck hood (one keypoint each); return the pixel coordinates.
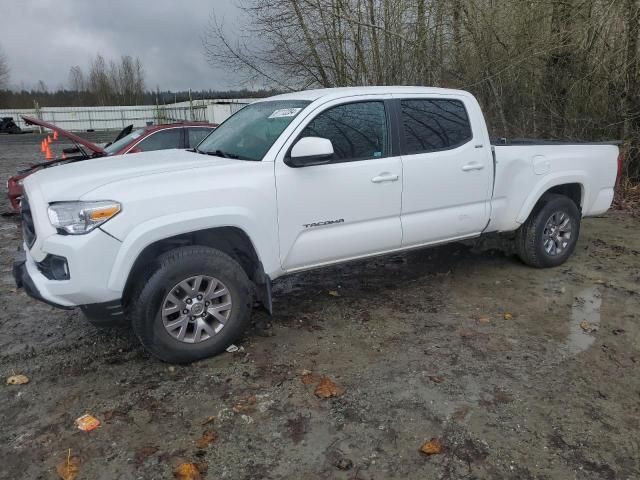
(71, 181)
(96, 149)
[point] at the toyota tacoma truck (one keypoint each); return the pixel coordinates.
(184, 243)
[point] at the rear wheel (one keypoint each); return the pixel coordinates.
(196, 302)
(549, 236)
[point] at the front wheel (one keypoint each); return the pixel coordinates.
(196, 303)
(549, 236)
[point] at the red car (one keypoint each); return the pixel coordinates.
(145, 139)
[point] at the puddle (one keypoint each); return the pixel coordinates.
(585, 308)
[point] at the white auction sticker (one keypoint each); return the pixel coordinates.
(285, 112)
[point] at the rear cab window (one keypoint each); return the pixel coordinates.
(431, 125)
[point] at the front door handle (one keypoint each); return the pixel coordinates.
(472, 166)
(385, 177)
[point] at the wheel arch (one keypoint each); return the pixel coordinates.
(573, 188)
(231, 240)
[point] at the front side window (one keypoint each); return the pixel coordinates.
(162, 140)
(250, 133)
(434, 124)
(358, 131)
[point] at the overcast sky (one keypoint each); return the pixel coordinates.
(42, 39)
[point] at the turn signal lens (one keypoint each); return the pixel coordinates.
(103, 213)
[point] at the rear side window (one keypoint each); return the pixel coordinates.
(162, 140)
(434, 124)
(358, 131)
(195, 135)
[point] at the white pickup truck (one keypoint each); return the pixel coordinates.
(183, 243)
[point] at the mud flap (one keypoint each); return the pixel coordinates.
(263, 289)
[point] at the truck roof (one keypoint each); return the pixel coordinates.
(335, 93)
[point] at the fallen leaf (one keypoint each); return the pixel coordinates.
(69, 468)
(326, 389)
(483, 319)
(309, 378)
(208, 420)
(17, 380)
(334, 293)
(588, 327)
(432, 447)
(87, 422)
(508, 316)
(187, 471)
(245, 404)
(207, 438)
(436, 378)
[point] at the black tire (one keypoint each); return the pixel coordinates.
(171, 268)
(530, 236)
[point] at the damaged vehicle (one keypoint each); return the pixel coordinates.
(145, 139)
(183, 243)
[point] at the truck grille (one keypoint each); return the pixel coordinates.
(28, 230)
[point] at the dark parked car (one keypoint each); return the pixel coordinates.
(7, 125)
(130, 140)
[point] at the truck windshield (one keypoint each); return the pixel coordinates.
(250, 133)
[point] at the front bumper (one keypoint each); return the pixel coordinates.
(90, 261)
(23, 280)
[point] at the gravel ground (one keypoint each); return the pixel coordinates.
(469, 347)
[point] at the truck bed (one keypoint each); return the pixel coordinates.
(525, 169)
(535, 141)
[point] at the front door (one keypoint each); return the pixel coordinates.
(347, 208)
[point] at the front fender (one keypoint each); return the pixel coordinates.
(166, 226)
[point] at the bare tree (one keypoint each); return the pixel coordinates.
(559, 68)
(4, 70)
(111, 83)
(77, 80)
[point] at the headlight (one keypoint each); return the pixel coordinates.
(77, 218)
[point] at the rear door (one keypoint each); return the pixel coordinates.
(349, 207)
(447, 170)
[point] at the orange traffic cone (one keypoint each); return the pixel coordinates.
(48, 139)
(42, 145)
(64, 157)
(48, 155)
(55, 134)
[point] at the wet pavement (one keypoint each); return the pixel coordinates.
(520, 373)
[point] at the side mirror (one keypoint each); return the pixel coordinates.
(309, 151)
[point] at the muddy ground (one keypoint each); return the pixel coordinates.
(419, 342)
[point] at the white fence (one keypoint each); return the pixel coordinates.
(116, 118)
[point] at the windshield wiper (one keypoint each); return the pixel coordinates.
(220, 153)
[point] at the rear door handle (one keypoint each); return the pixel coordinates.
(385, 177)
(472, 166)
